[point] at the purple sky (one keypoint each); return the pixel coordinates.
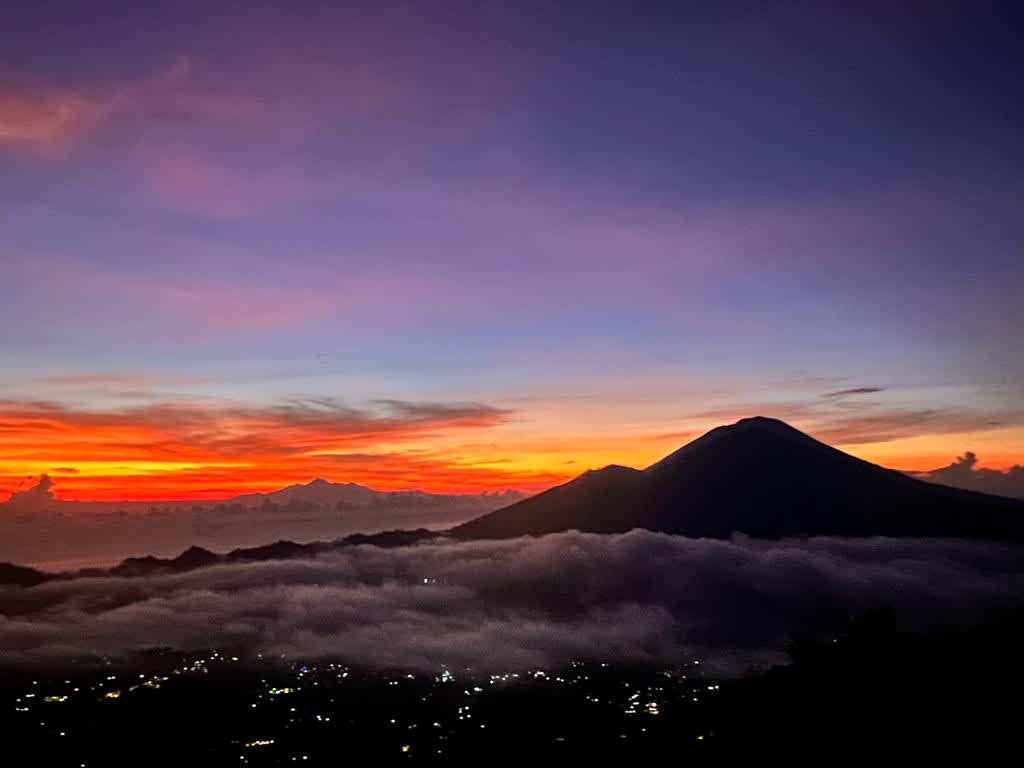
(618, 223)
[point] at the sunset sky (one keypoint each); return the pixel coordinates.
(467, 246)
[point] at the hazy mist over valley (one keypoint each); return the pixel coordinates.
(38, 530)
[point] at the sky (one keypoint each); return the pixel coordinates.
(467, 246)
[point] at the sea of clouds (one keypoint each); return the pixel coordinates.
(637, 597)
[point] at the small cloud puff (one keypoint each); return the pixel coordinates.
(34, 495)
(964, 473)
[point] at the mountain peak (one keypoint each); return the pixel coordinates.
(767, 425)
(608, 469)
(763, 422)
(753, 428)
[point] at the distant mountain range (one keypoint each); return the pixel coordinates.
(759, 476)
(316, 493)
(763, 478)
(198, 557)
(320, 492)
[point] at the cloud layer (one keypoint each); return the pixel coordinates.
(636, 597)
(215, 448)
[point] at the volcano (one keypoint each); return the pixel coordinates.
(763, 478)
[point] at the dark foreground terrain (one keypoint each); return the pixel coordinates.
(867, 692)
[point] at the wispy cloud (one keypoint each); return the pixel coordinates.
(67, 291)
(210, 447)
(117, 379)
(844, 426)
(42, 116)
(854, 391)
(202, 183)
(40, 113)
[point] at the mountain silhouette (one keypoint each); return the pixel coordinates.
(194, 558)
(23, 577)
(320, 492)
(763, 478)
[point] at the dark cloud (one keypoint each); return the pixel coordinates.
(964, 473)
(635, 597)
(854, 391)
(464, 413)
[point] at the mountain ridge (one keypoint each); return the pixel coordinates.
(319, 491)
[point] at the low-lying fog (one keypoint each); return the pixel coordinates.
(634, 597)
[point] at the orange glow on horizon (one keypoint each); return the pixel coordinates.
(197, 451)
(187, 451)
(996, 449)
(149, 489)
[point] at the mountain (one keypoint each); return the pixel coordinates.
(197, 557)
(322, 493)
(99, 534)
(318, 491)
(194, 558)
(23, 577)
(763, 478)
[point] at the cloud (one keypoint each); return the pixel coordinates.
(202, 183)
(636, 597)
(857, 423)
(471, 413)
(34, 496)
(854, 391)
(43, 113)
(964, 473)
(228, 428)
(186, 135)
(884, 425)
(42, 116)
(157, 120)
(113, 380)
(228, 292)
(216, 448)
